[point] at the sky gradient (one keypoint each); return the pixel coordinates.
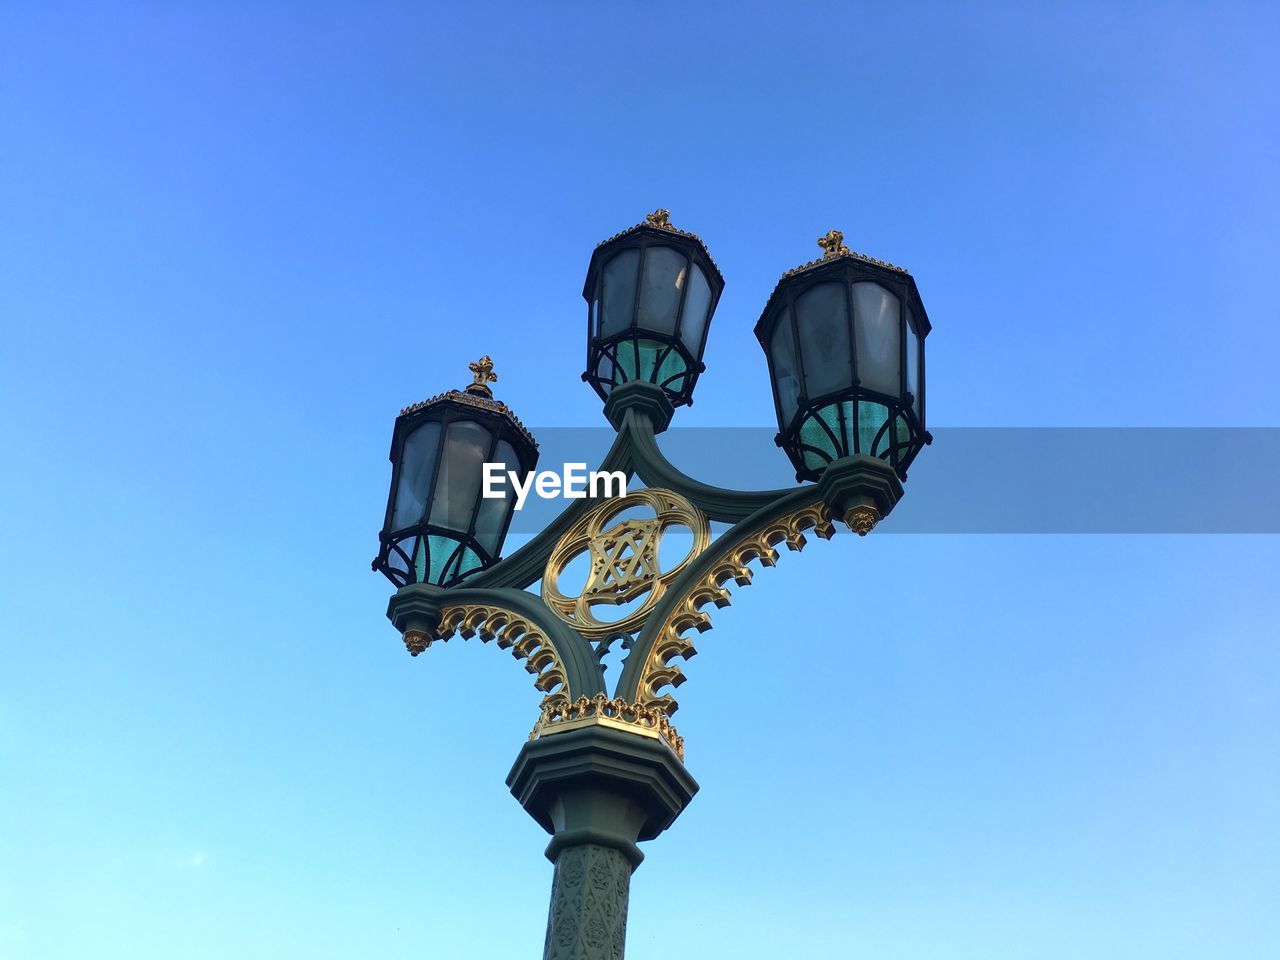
(236, 239)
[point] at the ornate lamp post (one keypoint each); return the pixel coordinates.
(603, 770)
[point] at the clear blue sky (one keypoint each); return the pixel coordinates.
(236, 238)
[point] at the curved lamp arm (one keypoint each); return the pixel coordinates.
(648, 667)
(854, 488)
(525, 565)
(718, 503)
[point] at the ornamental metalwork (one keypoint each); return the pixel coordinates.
(832, 244)
(684, 611)
(623, 559)
(482, 370)
(524, 639)
(603, 768)
(659, 218)
(645, 719)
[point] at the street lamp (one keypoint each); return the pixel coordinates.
(438, 527)
(650, 292)
(603, 769)
(845, 340)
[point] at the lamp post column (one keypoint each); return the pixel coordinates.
(598, 788)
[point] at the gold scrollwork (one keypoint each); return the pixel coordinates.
(638, 718)
(623, 558)
(512, 632)
(687, 613)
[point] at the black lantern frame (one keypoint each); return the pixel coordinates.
(626, 339)
(820, 423)
(427, 549)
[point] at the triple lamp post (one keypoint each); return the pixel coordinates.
(604, 770)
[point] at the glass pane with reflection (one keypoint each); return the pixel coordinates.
(694, 319)
(876, 320)
(619, 292)
(494, 510)
(822, 321)
(786, 377)
(417, 463)
(466, 445)
(664, 275)
(913, 362)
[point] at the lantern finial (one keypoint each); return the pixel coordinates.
(484, 375)
(833, 244)
(659, 218)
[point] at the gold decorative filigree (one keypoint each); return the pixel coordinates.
(832, 244)
(644, 719)
(416, 642)
(659, 671)
(861, 520)
(623, 559)
(659, 218)
(512, 632)
(482, 370)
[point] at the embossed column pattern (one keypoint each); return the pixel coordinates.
(588, 919)
(599, 791)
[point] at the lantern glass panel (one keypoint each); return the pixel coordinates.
(466, 445)
(822, 320)
(493, 511)
(605, 371)
(627, 362)
(670, 366)
(664, 276)
(417, 463)
(878, 326)
(824, 432)
(913, 362)
(871, 417)
(450, 559)
(619, 292)
(786, 378)
(696, 304)
(398, 561)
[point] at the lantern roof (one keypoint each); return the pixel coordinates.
(477, 395)
(657, 224)
(834, 256)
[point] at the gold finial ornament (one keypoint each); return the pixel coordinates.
(484, 375)
(659, 218)
(861, 520)
(415, 641)
(832, 244)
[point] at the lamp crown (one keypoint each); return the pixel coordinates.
(659, 218)
(482, 370)
(832, 244)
